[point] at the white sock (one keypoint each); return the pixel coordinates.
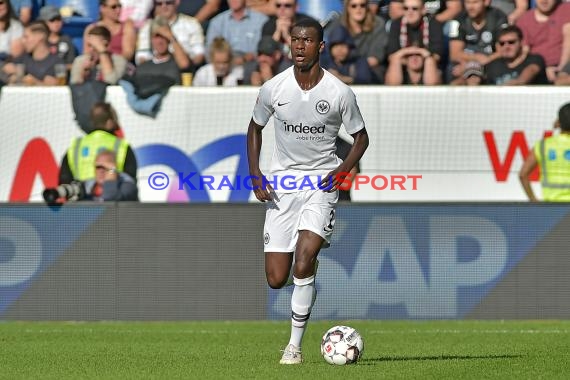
(301, 304)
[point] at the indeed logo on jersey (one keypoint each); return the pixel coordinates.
(306, 130)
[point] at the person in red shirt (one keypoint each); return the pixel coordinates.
(546, 31)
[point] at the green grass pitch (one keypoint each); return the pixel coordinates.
(250, 350)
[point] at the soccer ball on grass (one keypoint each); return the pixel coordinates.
(342, 345)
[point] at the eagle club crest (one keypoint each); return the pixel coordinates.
(323, 107)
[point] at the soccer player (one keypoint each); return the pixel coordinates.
(308, 105)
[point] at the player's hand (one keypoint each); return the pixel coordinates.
(261, 187)
(335, 180)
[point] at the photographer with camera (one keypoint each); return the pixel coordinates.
(108, 185)
(78, 164)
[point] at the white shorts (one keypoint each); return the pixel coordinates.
(289, 213)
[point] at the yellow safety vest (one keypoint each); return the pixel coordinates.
(553, 156)
(83, 150)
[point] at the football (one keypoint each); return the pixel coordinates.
(342, 345)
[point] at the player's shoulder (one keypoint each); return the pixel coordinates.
(335, 86)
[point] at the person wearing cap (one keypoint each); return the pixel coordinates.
(344, 63)
(270, 61)
(473, 75)
(59, 44)
(182, 29)
(412, 65)
(161, 34)
(150, 81)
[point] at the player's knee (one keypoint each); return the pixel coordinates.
(304, 267)
(275, 281)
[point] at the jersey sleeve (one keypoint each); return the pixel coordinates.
(456, 30)
(350, 113)
(263, 108)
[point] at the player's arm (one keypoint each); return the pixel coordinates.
(356, 152)
(254, 141)
(528, 166)
(337, 176)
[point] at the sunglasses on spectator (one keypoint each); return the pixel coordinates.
(57, 18)
(284, 5)
(101, 167)
(359, 5)
(508, 42)
(411, 8)
(115, 6)
(160, 3)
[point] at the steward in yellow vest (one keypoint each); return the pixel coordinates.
(552, 155)
(78, 164)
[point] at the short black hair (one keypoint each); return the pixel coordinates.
(306, 22)
(564, 117)
(510, 29)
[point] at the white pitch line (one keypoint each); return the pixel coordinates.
(406, 331)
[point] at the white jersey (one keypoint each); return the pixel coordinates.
(306, 126)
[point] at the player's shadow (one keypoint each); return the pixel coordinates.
(372, 361)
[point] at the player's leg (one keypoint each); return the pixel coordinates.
(315, 229)
(304, 292)
(280, 235)
(277, 267)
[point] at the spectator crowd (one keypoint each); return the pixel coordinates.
(246, 42)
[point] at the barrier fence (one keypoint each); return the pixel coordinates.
(196, 261)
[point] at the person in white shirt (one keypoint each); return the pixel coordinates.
(220, 71)
(308, 105)
(186, 31)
